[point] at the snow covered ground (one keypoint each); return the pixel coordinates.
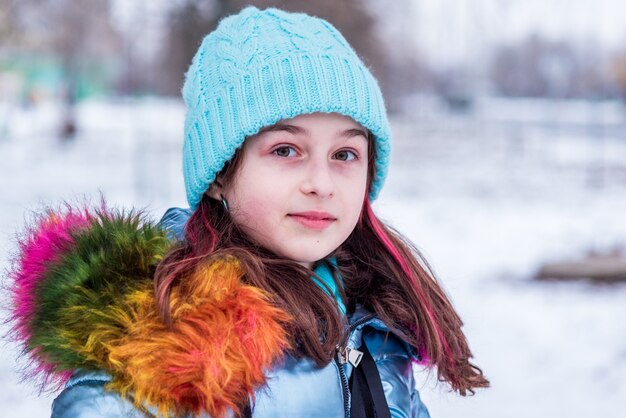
(487, 197)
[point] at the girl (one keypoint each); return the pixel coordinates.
(279, 292)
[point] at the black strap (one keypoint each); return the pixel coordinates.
(246, 410)
(368, 396)
(362, 405)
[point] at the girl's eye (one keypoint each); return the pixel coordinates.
(285, 151)
(345, 155)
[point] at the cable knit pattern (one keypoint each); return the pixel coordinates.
(262, 66)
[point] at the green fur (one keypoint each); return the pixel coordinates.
(116, 255)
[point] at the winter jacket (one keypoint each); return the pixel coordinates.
(112, 366)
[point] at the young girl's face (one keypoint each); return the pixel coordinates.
(301, 184)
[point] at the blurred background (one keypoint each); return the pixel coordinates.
(508, 172)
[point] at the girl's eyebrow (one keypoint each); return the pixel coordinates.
(349, 133)
(284, 127)
(294, 129)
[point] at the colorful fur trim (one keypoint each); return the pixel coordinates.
(40, 249)
(83, 298)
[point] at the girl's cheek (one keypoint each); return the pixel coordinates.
(356, 173)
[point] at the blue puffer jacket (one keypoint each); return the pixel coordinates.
(296, 388)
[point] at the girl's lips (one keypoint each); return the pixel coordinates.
(313, 220)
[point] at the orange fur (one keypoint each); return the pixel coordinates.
(226, 335)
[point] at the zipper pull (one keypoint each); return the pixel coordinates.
(349, 355)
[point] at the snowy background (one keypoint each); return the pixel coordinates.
(487, 196)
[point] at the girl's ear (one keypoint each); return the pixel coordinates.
(215, 190)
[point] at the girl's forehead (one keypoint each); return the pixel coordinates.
(332, 124)
(322, 118)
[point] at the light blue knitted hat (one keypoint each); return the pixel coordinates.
(259, 67)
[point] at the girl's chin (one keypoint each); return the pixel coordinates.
(308, 259)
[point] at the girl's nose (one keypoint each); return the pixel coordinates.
(318, 180)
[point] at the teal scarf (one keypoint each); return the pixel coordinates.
(326, 277)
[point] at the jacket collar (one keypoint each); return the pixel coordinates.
(362, 318)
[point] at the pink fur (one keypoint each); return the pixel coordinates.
(46, 243)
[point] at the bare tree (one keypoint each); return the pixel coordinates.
(193, 19)
(540, 67)
(618, 69)
(78, 34)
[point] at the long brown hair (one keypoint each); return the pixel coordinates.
(380, 270)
